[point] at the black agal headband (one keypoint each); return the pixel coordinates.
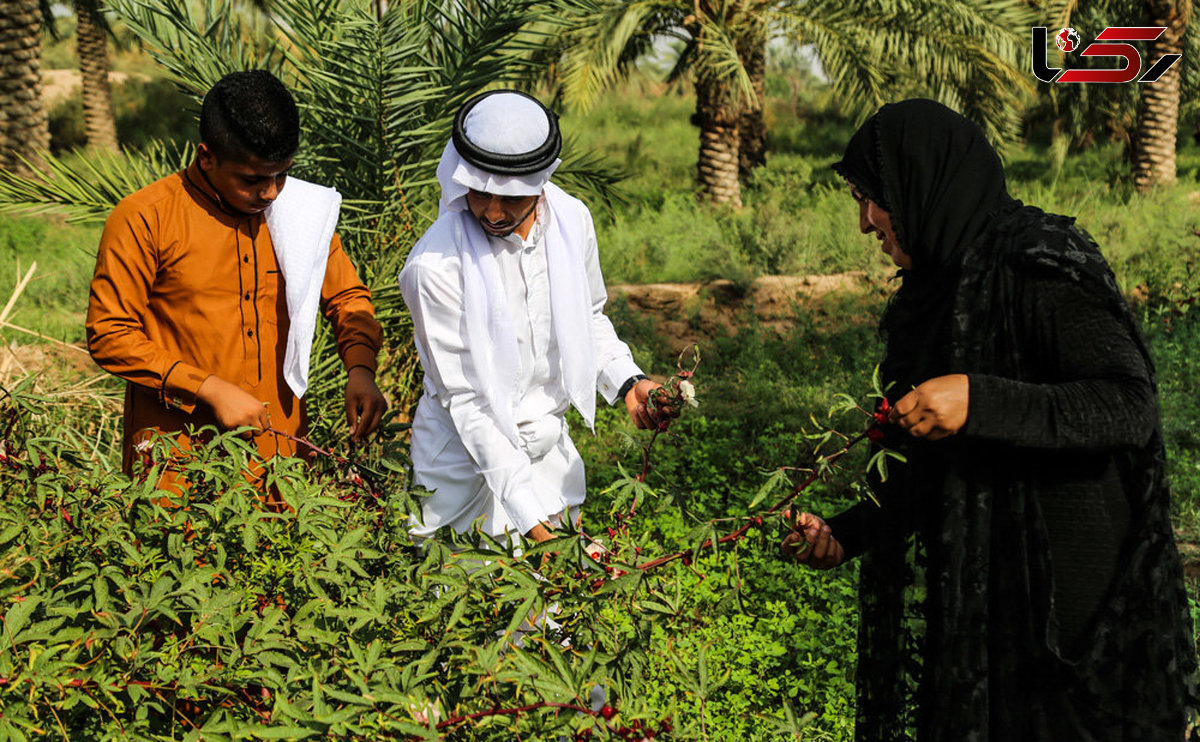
(504, 164)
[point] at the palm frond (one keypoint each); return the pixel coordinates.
(601, 37)
(590, 175)
(197, 42)
(969, 55)
(718, 59)
(86, 189)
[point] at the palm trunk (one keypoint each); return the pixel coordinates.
(24, 129)
(717, 166)
(1154, 150)
(753, 150)
(94, 68)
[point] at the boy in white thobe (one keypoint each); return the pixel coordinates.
(507, 303)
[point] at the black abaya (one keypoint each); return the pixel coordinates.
(1053, 605)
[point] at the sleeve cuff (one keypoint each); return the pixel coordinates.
(987, 408)
(612, 376)
(525, 514)
(180, 385)
(360, 354)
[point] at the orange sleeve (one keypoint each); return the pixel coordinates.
(126, 264)
(346, 303)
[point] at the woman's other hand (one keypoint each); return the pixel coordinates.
(811, 542)
(935, 409)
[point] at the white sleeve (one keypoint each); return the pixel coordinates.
(614, 361)
(434, 299)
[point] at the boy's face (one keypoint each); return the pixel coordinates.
(245, 185)
(502, 215)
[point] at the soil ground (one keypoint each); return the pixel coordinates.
(692, 313)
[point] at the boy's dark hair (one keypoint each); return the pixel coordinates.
(250, 113)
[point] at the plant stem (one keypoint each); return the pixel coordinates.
(741, 532)
(306, 442)
(513, 711)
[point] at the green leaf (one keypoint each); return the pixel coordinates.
(18, 615)
(275, 733)
(778, 480)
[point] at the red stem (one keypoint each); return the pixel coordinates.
(741, 532)
(306, 442)
(513, 711)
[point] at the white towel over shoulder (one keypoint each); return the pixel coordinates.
(301, 222)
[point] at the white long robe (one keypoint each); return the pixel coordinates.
(459, 450)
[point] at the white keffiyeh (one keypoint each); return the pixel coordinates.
(489, 328)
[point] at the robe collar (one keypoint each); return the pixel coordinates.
(201, 189)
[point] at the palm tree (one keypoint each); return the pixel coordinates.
(1158, 121)
(971, 57)
(91, 36)
(752, 149)
(377, 97)
(24, 129)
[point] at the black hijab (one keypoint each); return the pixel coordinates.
(980, 567)
(941, 183)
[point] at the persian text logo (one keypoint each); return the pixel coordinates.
(1068, 40)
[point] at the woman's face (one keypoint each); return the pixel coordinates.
(871, 218)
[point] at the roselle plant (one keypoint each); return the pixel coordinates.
(628, 492)
(128, 613)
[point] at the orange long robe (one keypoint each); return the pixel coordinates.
(183, 289)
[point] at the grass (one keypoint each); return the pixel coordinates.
(54, 303)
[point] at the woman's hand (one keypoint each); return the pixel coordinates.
(936, 409)
(811, 542)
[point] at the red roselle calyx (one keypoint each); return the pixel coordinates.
(880, 417)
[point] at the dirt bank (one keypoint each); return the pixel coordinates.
(686, 313)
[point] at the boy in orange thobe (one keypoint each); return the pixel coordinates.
(207, 317)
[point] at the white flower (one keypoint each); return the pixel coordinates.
(688, 392)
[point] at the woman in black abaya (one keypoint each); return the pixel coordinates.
(1032, 516)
